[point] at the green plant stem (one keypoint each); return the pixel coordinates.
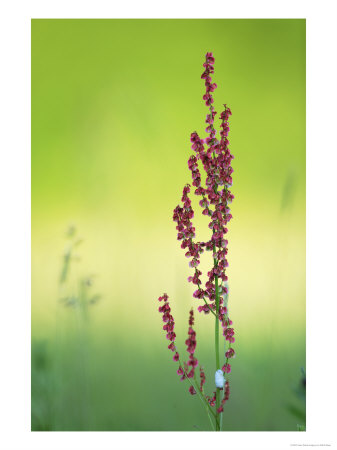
(216, 336)
(218, 419)
(217, 354)
(201, 396)
(222, 394)
(216, 342)
(208, 409)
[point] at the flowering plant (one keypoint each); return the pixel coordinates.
(216, 160)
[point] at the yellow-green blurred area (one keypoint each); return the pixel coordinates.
(113, 106)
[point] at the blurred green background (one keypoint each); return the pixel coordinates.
(113, 106)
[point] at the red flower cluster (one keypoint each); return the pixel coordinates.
(192, 391)
(191, 343)
(192, 363)
(225, 398)
(211, 400)
(226, 368)
(210, 87)
(230, 353)
(216, 159)
(228, 332)
(168, 319)
(186, 231)
(202, 379)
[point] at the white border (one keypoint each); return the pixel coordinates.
(15, 222)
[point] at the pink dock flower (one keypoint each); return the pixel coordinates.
(211, 400)
(225, 398)
(202, 378)
(226, 368)
(212, 155)
(230, 353)
(168, 320)
(191, 343)
(181, 372)
(192, 390)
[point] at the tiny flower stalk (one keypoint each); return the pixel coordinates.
(214, 156)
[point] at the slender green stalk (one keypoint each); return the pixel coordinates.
(216, 334)
(217, 355)
(201, 396)
(208, 409)
(222, 393)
